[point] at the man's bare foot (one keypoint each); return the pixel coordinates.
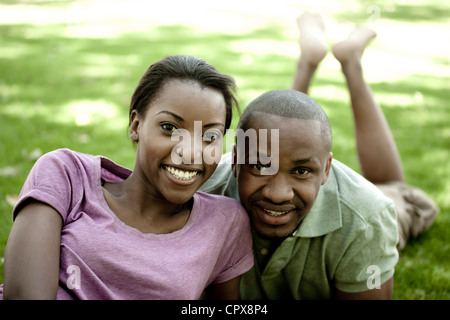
(353, 47)
(313, 46)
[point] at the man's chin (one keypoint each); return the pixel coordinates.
(275, 233)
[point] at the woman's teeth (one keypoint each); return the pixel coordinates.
(181, 174)
(275, 213)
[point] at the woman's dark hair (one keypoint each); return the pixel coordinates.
(183, 67)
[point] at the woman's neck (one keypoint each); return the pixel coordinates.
(142, 210)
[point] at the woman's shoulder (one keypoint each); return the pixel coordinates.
(65, 154)
(217, 200)
(65, 161)
(220, 205)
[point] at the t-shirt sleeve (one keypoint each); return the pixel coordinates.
(237, 254)
(371, 258)
(51, 181)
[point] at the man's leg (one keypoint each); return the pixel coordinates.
(313, 49)
(378, 155)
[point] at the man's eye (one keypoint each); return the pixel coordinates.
(168, 127)
(260, 166)
(303, 171)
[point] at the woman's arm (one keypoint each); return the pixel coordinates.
(32, 255)
(228, 290)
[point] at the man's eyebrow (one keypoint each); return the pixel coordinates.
(172, 114)
(304, 161)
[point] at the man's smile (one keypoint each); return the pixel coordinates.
(275, 213)
(275, 217)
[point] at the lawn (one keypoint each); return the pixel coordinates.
(67, 82)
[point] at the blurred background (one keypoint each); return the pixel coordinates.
(68, 70)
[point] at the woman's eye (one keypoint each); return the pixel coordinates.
(211, 136)
(168, 127)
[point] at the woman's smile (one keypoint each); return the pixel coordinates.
(181, 176)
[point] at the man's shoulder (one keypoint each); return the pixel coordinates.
(356, 193)
(222, 180)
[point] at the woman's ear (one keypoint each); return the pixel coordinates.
(134, 126)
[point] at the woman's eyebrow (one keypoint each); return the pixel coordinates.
(214, 124)
(208, 125)
(172, 114)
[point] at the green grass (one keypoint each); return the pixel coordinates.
(48, 80)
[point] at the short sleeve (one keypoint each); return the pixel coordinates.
(51, 181)
(371, 257)
(237, 254)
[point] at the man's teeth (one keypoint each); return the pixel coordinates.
(181, 174)
(275, 213)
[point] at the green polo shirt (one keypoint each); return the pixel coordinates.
(347, 241)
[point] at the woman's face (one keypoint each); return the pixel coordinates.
(179, 139)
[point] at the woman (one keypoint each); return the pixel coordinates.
(86, 228)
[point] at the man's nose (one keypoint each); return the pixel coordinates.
(278, 189)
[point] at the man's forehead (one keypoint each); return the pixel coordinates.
(288, 130)
(291, 134)
(262, 120)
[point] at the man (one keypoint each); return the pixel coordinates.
(320, 230)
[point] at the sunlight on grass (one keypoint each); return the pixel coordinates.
(14, 52)
(405, 100)
(263, 47)
(82, 112)
(329, 91)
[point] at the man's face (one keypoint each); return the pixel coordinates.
(278, 195)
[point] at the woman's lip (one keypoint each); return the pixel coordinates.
(177, 175)
(184, 168)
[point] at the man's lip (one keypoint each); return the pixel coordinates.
(280, 208)
(275, 220)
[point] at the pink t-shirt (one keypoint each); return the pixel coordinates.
(103, 258)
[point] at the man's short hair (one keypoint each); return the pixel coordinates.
(289, 104)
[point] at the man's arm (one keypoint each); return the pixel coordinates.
(384, 293)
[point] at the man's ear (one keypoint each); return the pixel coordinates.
(134, 126)
(327, 167)
(233, 160)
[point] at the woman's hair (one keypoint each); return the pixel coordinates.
(183, 67)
